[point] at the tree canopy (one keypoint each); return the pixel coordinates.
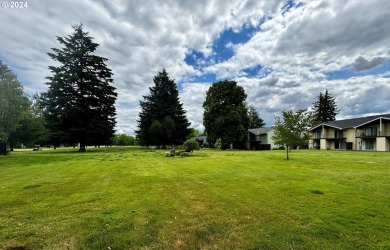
(79, 105)
(162, 120)
(325, 108)
(13, 102)
(226, 114)
(123, 140)
(255, 120)
(31, 130)
(292, 130)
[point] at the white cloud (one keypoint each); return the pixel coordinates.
(298, 48)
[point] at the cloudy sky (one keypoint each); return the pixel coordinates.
(284, 53)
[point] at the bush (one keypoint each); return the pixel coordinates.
(184, 154)
(218, 143)
(191, 145)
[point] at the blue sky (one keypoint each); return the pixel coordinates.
(284, 53)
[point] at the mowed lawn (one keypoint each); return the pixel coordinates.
(139, 199)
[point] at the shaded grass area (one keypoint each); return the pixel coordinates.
(135, 198)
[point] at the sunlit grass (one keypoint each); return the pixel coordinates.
(132, 198)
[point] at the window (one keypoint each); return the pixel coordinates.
(371, 131)
(338, 134)
(369, 145)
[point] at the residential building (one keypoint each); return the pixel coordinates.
(364, 133)
(202, 140)
(260, 138)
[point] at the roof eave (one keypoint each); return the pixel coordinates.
(365, 123)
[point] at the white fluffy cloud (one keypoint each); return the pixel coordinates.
(297, 48)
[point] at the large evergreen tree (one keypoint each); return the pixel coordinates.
(255, 120)
(13, 102)
(226, 114)
(325, 108)
(162, 120)
(79, 103)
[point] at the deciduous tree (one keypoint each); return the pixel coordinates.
(123, 140)
(226, 114)
(13, 102)
(292, 129)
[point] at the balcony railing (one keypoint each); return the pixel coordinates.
(325, 136)
(370, 135)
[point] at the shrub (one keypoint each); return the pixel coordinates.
(218, 143)
(191, 145)
(184, 154)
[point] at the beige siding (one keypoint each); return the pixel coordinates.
(269, 138)
(381, 144)
(386, 129)
(324, 144)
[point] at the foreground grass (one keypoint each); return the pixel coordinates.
(138, 199)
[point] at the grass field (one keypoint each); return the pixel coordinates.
(139, 199)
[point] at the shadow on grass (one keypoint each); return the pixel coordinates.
(316, 192)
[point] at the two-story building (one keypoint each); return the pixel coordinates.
(260, 138)
(364, 133)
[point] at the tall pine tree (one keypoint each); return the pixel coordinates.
(325, 109)
(162, 120)
(79, 103)
(255, 120)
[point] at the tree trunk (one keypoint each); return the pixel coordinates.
(287, 151)
(82, 148)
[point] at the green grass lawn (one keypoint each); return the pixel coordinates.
(139, 199)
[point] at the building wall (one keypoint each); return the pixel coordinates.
(381, 144)
(324, 144)
(269, 139)
(352, 135)
(386, 129)
(263, 139)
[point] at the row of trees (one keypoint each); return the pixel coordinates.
(79, 106)
(292, 130)
(227, 117)
(20, 119)
(162, 120)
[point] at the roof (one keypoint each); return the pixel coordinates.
(259, 131)
(200, 138)
(352, 123)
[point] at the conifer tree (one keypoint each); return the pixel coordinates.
(162, 120)
(255, 120)
(325, 109)
(79, 103)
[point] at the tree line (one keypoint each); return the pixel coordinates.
(78, 107)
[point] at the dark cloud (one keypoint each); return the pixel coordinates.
(362, 63)
(269, 82)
